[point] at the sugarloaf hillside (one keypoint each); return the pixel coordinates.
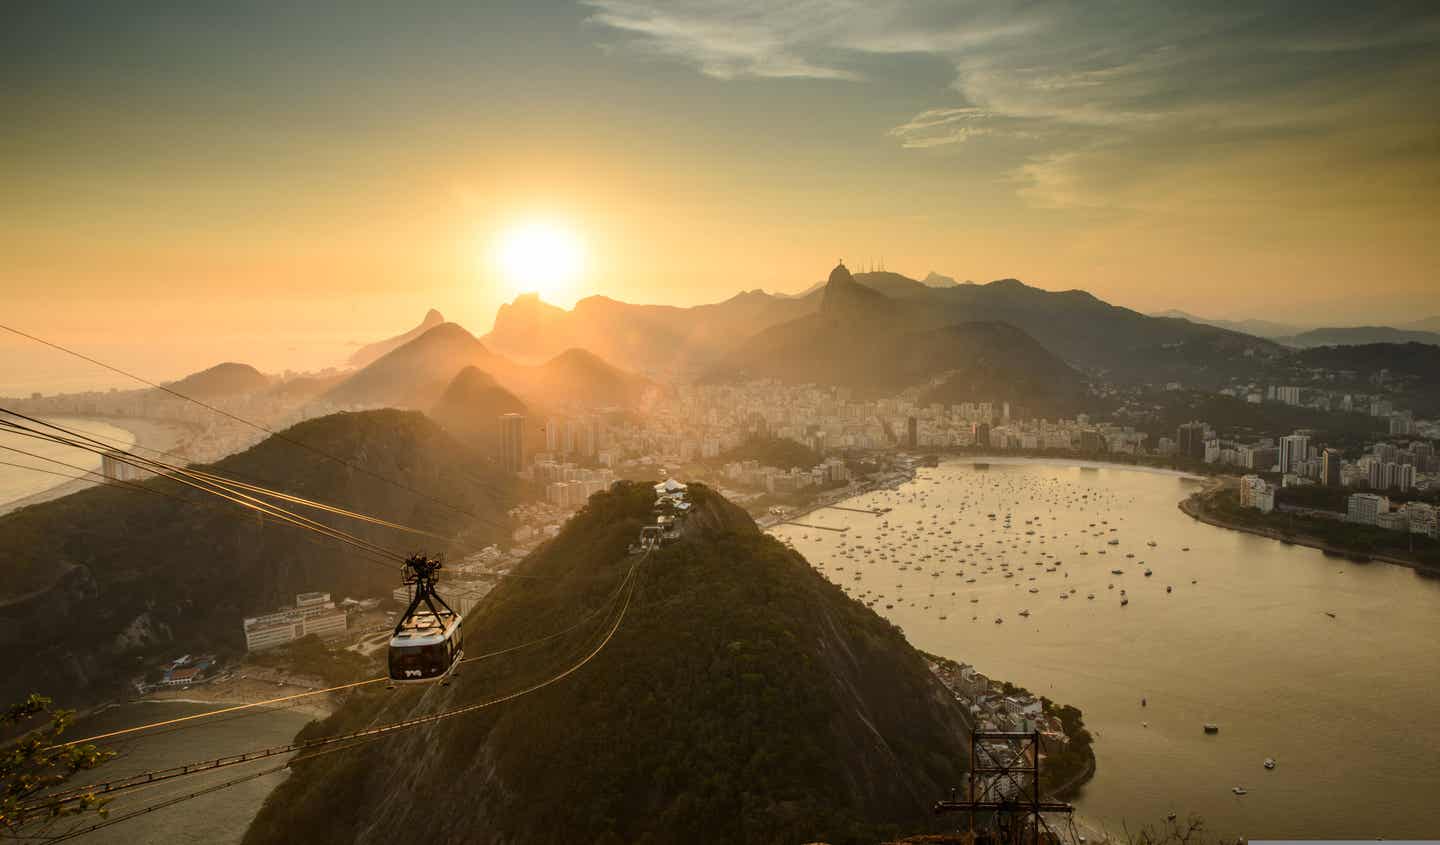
(741, 698)
(114, 577)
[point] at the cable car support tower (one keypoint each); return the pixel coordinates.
(421, 572)
(1003, 792)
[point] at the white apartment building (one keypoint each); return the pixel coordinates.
(314, 613)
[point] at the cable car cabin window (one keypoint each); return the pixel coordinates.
(418, 662)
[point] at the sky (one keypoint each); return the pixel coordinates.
(207, 172)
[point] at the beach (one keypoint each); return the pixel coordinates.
(144, 434)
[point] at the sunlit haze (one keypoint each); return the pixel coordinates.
(543, 258)
(734, 422)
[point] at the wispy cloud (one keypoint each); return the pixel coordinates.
(938, 127)
(732, 41)
(1086, 82)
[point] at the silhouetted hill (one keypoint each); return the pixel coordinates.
(936, 280)
(1259, 328)
(306, 387)
(744, 699)
(1123, 344)
(132, 575)
(577, 375)
(471, 407)
(894, 285)
(1358, 336)
(1082, 330)
(1413, 370)
(221, 380)
(877, 345)
(645, 338)
(417, 375)
(1000, 363)
(366, 355)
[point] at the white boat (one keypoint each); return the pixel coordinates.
(1239, 790)
(1269, 762)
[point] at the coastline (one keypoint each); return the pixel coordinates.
(158, 435)
(254, 688)
(1193, 506)
(1081, 463)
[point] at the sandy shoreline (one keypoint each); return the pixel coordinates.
(149, 434)
(242, 692)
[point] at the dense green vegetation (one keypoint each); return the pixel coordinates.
(124, 578)
(744, 699)
(1239, 419)
(1346, 536)
(37, 761)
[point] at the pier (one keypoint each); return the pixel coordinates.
(874, 512)
(819, 527)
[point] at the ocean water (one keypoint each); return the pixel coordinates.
(17, 482)
(1345, 704)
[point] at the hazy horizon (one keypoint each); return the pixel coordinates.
(206, 162)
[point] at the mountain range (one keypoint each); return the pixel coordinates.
(420, 373)
(1259, 328)
(654, 339)
(744, 698)
(884, 336)
(1359, 336)
(1419, 331)
(1084, 332)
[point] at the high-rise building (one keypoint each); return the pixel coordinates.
(1293, 449)
(554, 434)
(1190, 441)
(912, 433)
(1365, 508)
(512, 442)
(1404, 477)
(981, 433)
(1330, 468)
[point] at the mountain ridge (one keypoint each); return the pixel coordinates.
(369, 353)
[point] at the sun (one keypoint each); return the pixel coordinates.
(543, 258)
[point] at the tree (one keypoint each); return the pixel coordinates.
(38, 762)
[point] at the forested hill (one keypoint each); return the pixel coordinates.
(101, 580)
(743, 699)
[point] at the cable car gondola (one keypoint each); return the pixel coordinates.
(426, 645)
